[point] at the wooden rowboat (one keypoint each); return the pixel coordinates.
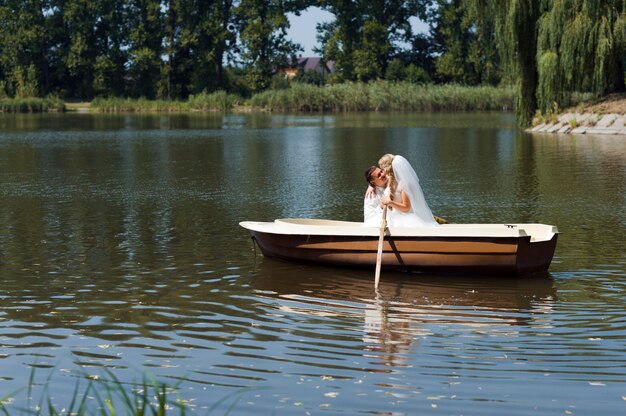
(514, 249)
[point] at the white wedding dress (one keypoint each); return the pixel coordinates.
(419, 215)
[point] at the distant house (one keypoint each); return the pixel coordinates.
(307, 64)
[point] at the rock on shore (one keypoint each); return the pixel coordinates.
(584, 123)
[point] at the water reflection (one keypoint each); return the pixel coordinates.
(406, 307)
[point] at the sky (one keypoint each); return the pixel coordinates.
(303, 31)
(302, 28)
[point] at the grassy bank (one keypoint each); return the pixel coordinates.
(31, 105)
(374, 96)
(384, 96)
(217, 101)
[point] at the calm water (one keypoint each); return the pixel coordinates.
(121, 256)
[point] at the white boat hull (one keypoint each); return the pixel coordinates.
(514, 249)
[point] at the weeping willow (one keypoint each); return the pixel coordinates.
(515, 23)
(554, 48)
(580, 48)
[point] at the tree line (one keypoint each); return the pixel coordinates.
(171, 49)
(175, 48)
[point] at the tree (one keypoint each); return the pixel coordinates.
(366, 35)
(23, 37)
(580, 47)
(399, 71)
(146, 46)
(201, 33)
(556, 47)
(263, 28)
(370, 61)
(89, 46)
(467, 52)
(79, 54)
(421, 53)
(340, 38)
(310, 77)
(417, 75)
(516, 27)
(111, 37)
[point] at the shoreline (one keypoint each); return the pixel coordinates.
(583, 123)
(333, 98)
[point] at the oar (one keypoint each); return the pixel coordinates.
(379, 255)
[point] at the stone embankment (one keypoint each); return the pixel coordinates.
(584, 123)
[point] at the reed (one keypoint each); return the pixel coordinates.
(31, 105)
(384, 96)
(104, 396)
(216, 101)
(139, 105)
(347, 97)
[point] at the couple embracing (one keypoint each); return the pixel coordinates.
(394, 183)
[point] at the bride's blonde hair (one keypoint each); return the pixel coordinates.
(385, 164)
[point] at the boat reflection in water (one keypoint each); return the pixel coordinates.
(407, 309)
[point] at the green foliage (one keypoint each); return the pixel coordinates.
(397, 71)
(82, 48)
(105, 79)
(22, 41)
(236, 82)
(416, 75)
(146, 47)
(310, 77)
(549, 50)
(581, 46)
(264, 44)
(549, 87)
(199, 34)
(31, 105)
(26, 84)
(3, 90)
(344, 97)
(558, 48)
(366, 35)
(384, 96)
(466, 50)
(371, 59)
(279, 82)
(339, 38)
(105, 395)
(216, 101)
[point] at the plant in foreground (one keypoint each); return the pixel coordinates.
(108, 396)
(100, 397)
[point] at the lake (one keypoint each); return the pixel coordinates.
(122, 261)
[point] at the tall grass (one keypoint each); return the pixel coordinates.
(216, 101)
(103, 396)
(385, 96)
(346, 97)
(31, 105)
(108, 396)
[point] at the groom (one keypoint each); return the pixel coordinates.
(372, 211)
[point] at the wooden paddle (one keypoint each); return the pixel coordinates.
(379, 255)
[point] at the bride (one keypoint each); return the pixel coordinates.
(403, 195)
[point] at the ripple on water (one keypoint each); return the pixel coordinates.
(121, 252)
